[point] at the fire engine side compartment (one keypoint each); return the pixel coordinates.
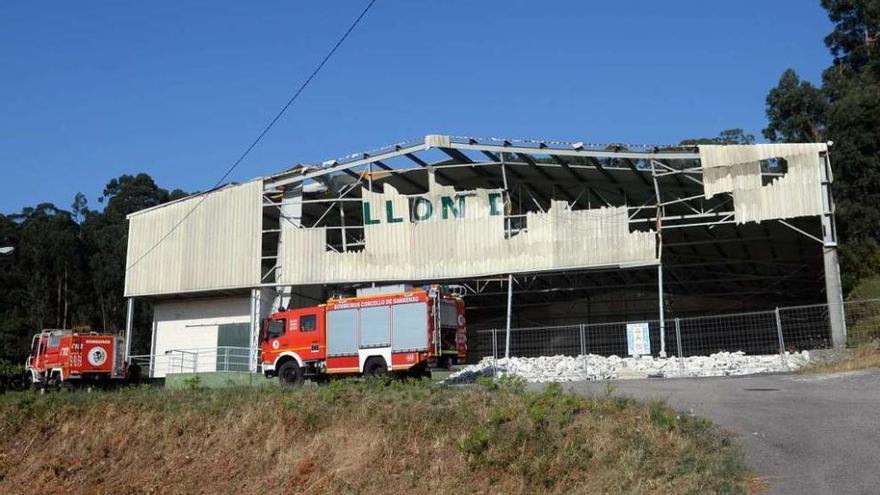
(391, 327)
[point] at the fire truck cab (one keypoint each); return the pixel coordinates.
(402, 332)
(66, 356)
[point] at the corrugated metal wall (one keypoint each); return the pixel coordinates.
(216, 247)
(472, 245)
(737, 169)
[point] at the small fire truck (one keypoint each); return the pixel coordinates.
(66, 356)
(401, 332)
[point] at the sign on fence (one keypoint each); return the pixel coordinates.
(638, 339)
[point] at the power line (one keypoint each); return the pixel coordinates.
(260, 136)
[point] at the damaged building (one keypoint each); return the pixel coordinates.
(558, 231)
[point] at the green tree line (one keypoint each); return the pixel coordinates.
(68, 267)
(844, 109)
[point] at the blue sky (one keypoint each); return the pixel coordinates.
(93, 90)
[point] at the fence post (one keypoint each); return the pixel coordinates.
(494, 353)
(226, 359)
(583, 341)
(678, 346)
(781, 340)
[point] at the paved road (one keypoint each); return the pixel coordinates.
(803, 433)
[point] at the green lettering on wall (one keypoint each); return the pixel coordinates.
(493, 206)
(368, 219)
(389, 212)
(449, 204)
(426, 212)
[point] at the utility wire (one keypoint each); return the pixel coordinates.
(260, 136)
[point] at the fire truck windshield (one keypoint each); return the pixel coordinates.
(275, 328)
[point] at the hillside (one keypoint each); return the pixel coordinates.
(350, 437)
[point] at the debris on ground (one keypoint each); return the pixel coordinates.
(595, 367)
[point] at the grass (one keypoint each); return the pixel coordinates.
(865, 356)
(359, 437)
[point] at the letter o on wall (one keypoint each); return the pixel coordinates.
(425, 213)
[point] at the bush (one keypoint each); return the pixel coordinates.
(12, 376)
(867, 288)
(863, 312)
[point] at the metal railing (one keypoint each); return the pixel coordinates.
(780, 331)
(199, 360)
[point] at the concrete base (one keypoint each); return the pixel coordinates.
(219, 379)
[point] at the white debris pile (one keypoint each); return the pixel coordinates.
(595, 367)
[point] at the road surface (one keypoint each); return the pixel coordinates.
(803, 434)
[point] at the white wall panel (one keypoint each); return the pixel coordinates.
(736, 169)
(217, 246)
(191, 325)
(725, 155)
(472, 245)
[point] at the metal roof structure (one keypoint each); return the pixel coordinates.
(704, 228)
(703, 250)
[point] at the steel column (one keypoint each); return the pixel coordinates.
(509, 304)
(255, 330)
(129, 325)
(659, 227)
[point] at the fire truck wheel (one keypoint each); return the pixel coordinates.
(375, 367)
(55, 380)
(290, 373)
(35, 384)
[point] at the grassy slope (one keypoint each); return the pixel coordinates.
(863, 357)
(358, 438)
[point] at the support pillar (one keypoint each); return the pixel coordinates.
(129, 325)
(833, 290)
(509, 305)
(291, 218)
(834, 296)
(255, 331)
(659, 227)
(662, 310)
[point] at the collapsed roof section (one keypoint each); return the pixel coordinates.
(744, 228)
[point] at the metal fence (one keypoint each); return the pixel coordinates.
(788, 329)
(208, 359)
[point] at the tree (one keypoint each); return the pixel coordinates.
(48, 287)
(846, 111)
(852, 86)
(855, 40)
(727, 136)
(795, 111)
(11, 317)
(107, 235)
(68, 268)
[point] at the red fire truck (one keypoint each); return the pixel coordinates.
(401, 332)
(67, 356)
